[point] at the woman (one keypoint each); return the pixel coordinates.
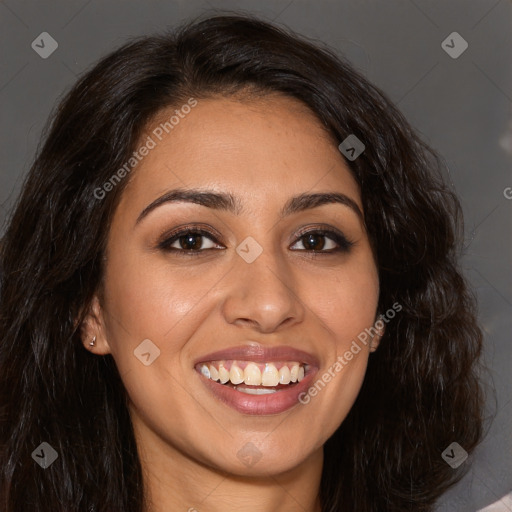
(231, 283)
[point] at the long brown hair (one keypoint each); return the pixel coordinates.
(421, 391)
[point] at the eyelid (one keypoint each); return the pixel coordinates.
(186, 228)
(305, 230)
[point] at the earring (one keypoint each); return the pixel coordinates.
(93, 341)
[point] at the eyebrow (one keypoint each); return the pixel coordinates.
(228, 202)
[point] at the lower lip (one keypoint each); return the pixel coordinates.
(273, 403)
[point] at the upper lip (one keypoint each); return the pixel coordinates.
(260, 353)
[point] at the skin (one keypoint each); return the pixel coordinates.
(263, 151)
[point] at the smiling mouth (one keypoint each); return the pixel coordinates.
(254, 378)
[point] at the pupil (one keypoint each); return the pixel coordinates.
(315, 242)
(191, 242)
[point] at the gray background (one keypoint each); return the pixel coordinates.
(462, 107)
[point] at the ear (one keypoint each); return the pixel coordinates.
(93, 329)
(380, 327)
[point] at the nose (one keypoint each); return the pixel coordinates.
(262, 295)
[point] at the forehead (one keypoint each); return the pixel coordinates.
(261, 148)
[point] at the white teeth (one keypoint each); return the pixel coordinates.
(256, 391)
(236, 374)
(223, 374)
(214, 373)
(252, 375)
(270, 375)
(284, 375)
(205, 371)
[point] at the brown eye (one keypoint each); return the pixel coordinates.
(191, 242)
(323, 242)
(313, 242)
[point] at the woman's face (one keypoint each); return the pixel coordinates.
(264, 276)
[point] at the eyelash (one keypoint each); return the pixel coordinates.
(344, 245)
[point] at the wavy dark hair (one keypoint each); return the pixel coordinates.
(422, 389)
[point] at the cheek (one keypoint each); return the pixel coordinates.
(150, 298)
(346, 303)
